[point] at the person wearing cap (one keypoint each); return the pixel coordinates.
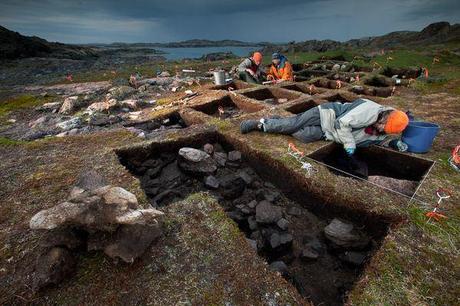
(249, 69)
(281, 69)
(357, 124)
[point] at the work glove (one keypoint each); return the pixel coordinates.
(399, 145)
(350, 151)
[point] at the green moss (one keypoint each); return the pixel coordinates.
(5, 142)
(21, 102)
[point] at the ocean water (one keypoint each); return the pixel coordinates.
(181, 53)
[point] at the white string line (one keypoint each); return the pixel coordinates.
(375, 184)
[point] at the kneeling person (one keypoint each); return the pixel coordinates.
(281, 69)
(250, 71)
(357, 124)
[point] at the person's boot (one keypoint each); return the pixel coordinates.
(247, 126)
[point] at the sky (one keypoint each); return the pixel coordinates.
(105, 21)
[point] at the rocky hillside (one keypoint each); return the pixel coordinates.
(435, 33)
(14, 45)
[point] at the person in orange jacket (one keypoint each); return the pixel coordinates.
(281, 69)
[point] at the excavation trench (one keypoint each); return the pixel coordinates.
(234, 85)
(272, 95)
(385, 167)
(281, 220)
(172, 121)
(230, 106)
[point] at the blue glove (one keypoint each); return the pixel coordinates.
(350, 151)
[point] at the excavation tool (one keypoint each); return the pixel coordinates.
(434, 214)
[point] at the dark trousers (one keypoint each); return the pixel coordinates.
(245, 76)
(305, 127)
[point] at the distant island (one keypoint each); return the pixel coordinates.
(192, 43)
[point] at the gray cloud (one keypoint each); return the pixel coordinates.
(251, 20)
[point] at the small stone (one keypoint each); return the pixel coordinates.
(234, 156)
(275, 240)
(246, 177)
(282, 224)
(53, 267)
(70, 105)
(268, 213)
(208, 148)
(252, 223)
(220, 158)
(279, 266)
(70, 124)
(252, 243)
(252, 204)
(211, 182)
(196, 161)
(294, 211)
(286, 239)
(232, 186)
(309, 254)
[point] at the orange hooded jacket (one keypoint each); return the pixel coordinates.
(284, 73)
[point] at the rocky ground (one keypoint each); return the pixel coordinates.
(234, 218)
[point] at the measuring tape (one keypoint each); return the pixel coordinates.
(299, 156)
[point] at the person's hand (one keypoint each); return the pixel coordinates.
(402, 146)
(350, 151)
(250, 72)
(270, 77)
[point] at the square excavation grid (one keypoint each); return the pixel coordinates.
(230, 106)
(272, 95)
(234, 85)
(385, 167)
(301, 107)
(271, 208)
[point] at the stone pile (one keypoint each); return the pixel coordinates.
(96, 216)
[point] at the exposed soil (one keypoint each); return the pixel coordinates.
(321, 271)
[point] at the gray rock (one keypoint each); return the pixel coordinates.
(70, 105)
(252, 204)
(283, 224)
(252, 223)
(195, 161)
(353, 258)
(246, 177)
(268, 213)
(294, 211)
(208, 148)
(309, 254)
(220, 158)
(275, 240)
(234, 156)
(70, 124)
(131, 241)
(211, 182)
(279, 266)
(53, 267)
(343, 234)
(232, 186)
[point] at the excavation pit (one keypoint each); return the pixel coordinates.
(234, 85)
(306, 89)
(230, 106)
(339, 98)
(272, 95)
(301, 107)
(385, 167)
(284, 231)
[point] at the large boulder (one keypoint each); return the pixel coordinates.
(101, 209)
(343, 234)
(196, 162)
(232, 186)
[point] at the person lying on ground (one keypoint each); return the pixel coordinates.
(358, 124)
(250, 69)
(281, 69)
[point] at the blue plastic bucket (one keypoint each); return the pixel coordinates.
(419, 136)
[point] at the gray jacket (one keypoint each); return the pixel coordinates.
(248, 64)
(345, 122)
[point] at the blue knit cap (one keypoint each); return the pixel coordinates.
(276, 55)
